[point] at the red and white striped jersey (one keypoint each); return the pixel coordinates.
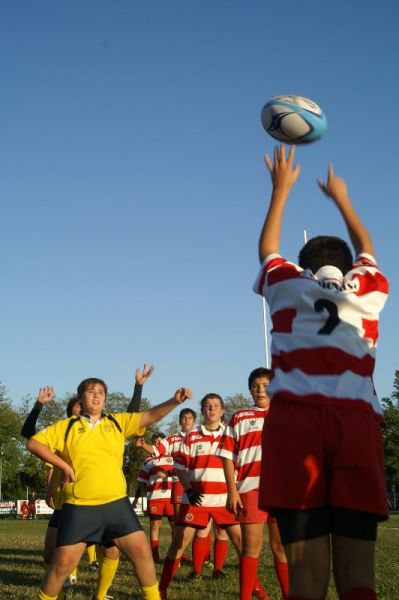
(324, 331)
(158, 488)
(170, 446)
(242, 443)
(198, 456)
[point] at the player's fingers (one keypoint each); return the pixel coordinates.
(151, 370)
(268, 162)
(321, 184)
(276, 159)
(291, 155)
(282, 153)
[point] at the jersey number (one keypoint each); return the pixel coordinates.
(333, 318)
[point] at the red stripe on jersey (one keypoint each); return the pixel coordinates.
(274, 262)
(370, 327)
(283, 273)
(282, 320)
(323, 361)
(250, 470)
(371, 282)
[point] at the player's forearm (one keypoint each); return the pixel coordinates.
(269, 241)
(29, 427)
(45, 454)
(229, 474)
(360, 237)
(155, 414)
(134, 405)
(182, 475)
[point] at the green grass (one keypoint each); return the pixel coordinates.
(21, 568)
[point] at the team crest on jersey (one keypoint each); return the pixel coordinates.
(81, 429)
(252, 424)
(199, 447)
(169, 461)
(189, 517)
(107, 428)
(154, 509)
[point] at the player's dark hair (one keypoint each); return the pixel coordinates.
(326, 250)
(157, 434)
(186, 411)
(71, 403)
(83, 385)
(209, 397)
(259, 372)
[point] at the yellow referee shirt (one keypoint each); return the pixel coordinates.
(95, 454)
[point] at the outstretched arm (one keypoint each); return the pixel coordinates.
(155, 414)
(44, 396)
(141, 378)
(283, 175)
(336, 189)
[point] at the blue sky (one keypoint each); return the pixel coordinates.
(133, 188)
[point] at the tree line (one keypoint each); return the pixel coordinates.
(20, 471)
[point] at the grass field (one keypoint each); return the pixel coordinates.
(21, 568)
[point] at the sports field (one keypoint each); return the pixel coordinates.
(21, 569)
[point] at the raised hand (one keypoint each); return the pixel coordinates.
(335, 187)
(282, 171)
(142, 376)
(45, 395)
(183, 394)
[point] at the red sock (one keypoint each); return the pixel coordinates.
(208, 548)
(170, 567)
(155, 549)
(248, 576)
(200, 547)
(281, 569)
(359, 594)
(221, 549)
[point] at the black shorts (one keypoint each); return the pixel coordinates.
(54, 519)
(298, 525)
(98, 524)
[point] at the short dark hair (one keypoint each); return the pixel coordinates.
(326, 250)
(90, 381)
(186, 411)
(209, 397)
(71, 403)
(158, 434)
(259, 372)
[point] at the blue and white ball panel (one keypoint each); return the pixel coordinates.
(293, 119)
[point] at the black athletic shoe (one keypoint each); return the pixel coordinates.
(218, 575)
(193, 576)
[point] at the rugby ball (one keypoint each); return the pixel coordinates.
(293, 119)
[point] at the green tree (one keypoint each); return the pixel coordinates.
(391, 435)
(234, 403)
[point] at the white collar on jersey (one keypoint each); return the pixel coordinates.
(330, 274)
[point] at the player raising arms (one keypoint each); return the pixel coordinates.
(96, 508)
(201, 474)
(241, 450)
(322, 469)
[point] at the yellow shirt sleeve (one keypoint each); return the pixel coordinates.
(130, 424)
(52, 436)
